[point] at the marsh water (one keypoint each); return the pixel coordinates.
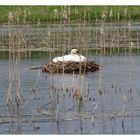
(48, 105)
(41, 113)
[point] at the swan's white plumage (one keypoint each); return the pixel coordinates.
(73, 56)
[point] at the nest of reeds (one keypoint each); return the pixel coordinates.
(70, 67)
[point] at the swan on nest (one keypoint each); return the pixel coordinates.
(74, 56)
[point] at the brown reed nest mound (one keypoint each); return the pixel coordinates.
(70, 67)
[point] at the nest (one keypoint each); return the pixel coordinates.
(70, 67)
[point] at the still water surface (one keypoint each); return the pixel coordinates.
(48, 105)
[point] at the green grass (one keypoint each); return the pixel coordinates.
(77, 13)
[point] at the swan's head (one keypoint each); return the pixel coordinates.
(74, 51)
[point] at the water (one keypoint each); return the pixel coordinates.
(53, 108)
(51, 104)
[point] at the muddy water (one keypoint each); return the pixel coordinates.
(49, 106)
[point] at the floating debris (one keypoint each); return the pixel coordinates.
(70, 67)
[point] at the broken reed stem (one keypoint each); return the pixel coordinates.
(96, 41)
(100, 61)
(17, 52)
(118, 41)
(11, 68)
(131, 45)
(11, 72)
(102, 52)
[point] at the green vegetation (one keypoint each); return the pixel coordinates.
(55, 14)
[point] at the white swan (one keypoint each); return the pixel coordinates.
(74, 56)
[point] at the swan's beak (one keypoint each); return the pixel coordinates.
(77, 52)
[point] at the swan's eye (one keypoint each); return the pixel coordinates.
(77, 51)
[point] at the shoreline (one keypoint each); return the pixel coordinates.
(93, 50)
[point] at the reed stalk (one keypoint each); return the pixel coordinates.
(14, 66)
(110, 32)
